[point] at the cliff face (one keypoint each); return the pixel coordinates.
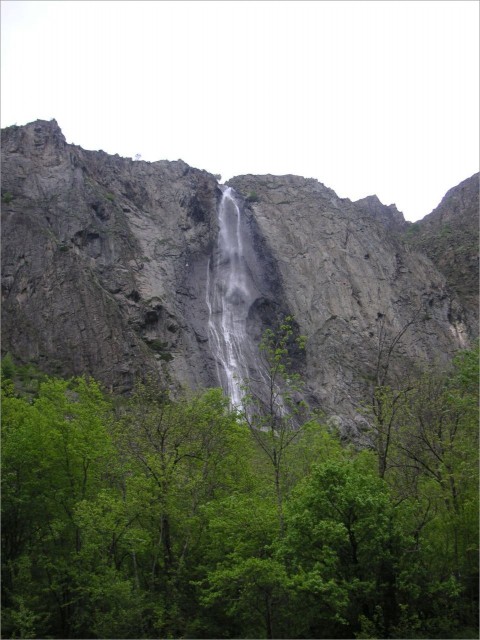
(102, 259)
(353, 285)
(105, 264)
(449, 236)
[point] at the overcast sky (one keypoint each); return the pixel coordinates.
(366, 97)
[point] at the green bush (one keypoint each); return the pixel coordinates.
(160, 347)
(8, 367)
(413, 230)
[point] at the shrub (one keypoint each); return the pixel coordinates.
(252, 197)
(160, 347)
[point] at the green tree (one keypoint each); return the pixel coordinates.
(242, 585)
(439, 440)
(432, 465)
(272, 407)
(8, 367)
(178, 456)
(340, 543)
(55, 453)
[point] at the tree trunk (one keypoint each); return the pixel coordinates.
(278, 492)
(268, 616)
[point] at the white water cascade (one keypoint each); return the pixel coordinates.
(231, 291)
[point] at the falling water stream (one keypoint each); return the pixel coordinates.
(231, 291)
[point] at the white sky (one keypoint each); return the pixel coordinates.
(367, 97)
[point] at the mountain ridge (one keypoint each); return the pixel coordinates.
(105, 259)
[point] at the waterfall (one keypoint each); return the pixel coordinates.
(231, 291)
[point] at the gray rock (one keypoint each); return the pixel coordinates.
(104, 266)
(351, 281)
(103, 259)
(449, 236)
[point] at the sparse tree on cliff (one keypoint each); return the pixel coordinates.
(273, 408)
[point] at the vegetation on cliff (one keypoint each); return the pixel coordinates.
(158, 517)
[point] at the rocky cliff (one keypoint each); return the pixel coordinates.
(103, 261)
(353, 284)
(105, 267)
(449, 236)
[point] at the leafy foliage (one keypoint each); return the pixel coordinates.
(151, 516)
(252, 197)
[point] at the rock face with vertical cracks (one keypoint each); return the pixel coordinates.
(104, 271)
(351, 280)
(103, 260)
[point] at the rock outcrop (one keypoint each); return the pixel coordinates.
(104, 271)
(103, 259)
(449, 236)
(352, 283)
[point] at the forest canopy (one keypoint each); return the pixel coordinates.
(158, 516)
